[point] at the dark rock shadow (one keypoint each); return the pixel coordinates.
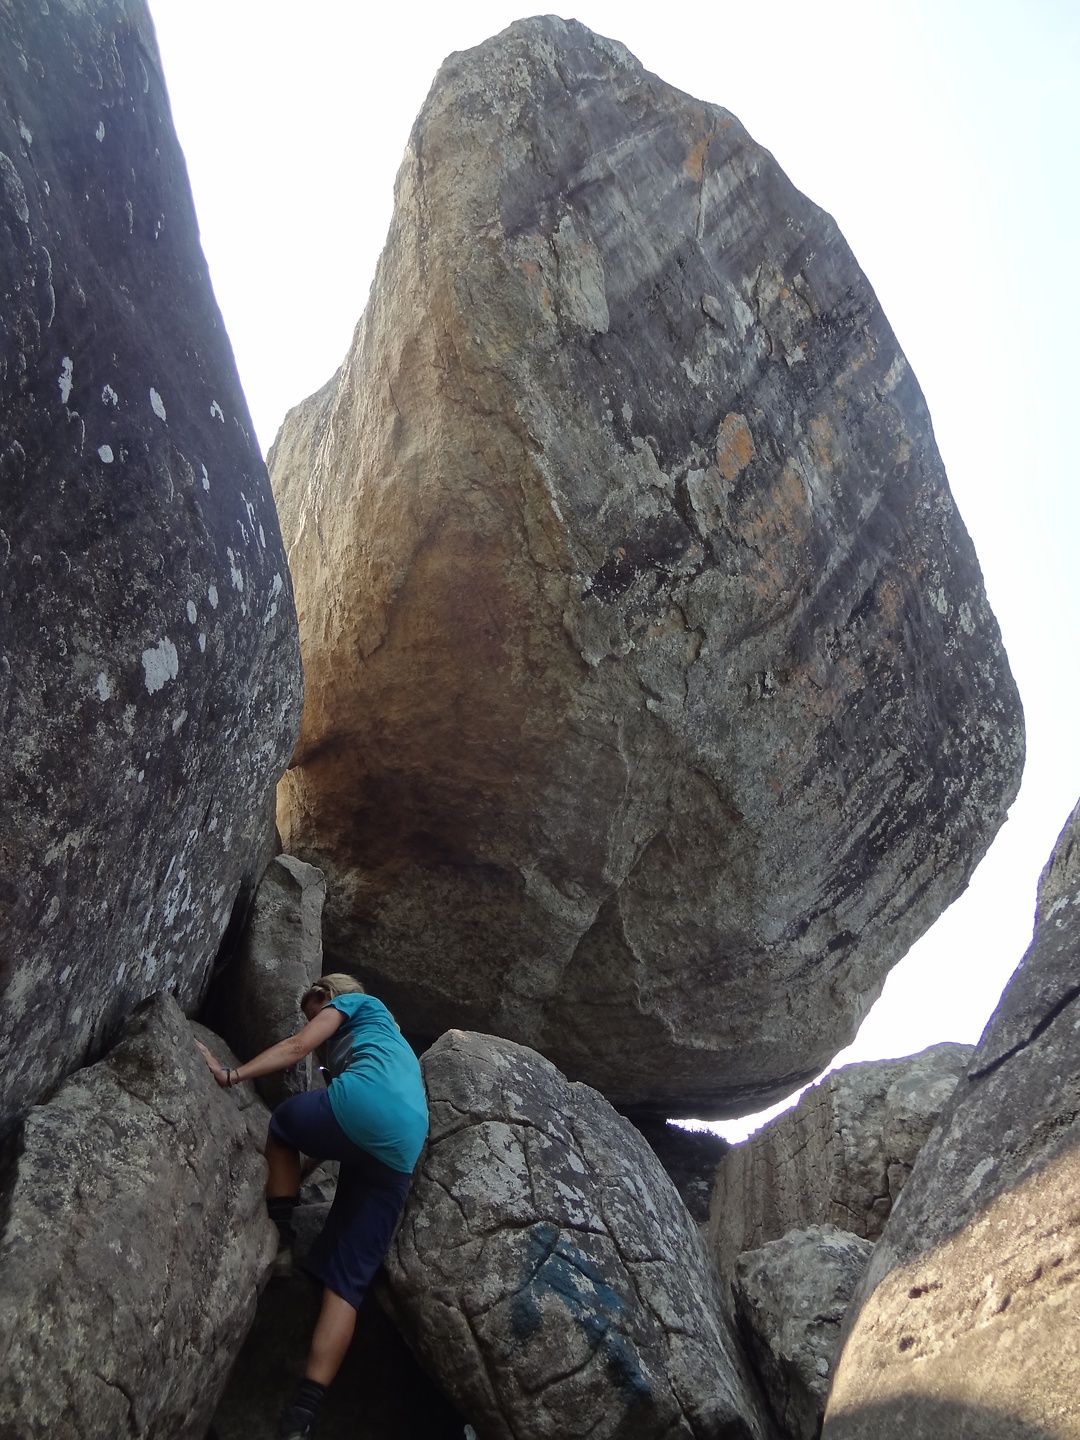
(920, 1417)
(381, 1392)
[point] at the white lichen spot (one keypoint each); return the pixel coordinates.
(192, 613)
(140, 775)
(212, 596)
(105, 454)
(217, 412)
(109, 396)
(67, 369)
(104, 689)
(202, 641)
(64, 975)
(205, 478)
(941, 604)
(25, 132)
(234, 571)
(53, 910)
(100, 131)
(160, 664)
(178, 722)
(157, 404)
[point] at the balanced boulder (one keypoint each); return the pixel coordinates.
(620, 542)
(966, 1320)
(149, 667)
(839, 1157)
(134, 1240)
(546, 1270)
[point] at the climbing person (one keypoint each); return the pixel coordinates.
(373, 1120)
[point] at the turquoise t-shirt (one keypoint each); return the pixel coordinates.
(376, 1091)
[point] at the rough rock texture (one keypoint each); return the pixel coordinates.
(256, 1003)
(974, 1288)
(690, 1157)
(790, 1300)
(620, 542)
(380, 1393)
(840, 1157)
(134, 1238)
(149, 676)
(546, 1270)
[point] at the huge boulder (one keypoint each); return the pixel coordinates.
(149, 666)
(620, 542)
(134, 1239)
(973, 1291)
(548, 1273)
(791, 1297)
(839, 1157)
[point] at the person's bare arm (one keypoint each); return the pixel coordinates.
(289, 1051)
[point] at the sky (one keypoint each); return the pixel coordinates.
(943, 137)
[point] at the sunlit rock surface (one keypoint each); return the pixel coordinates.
(134, 1236)
(149, 675)
(966, 1321)
(654, 702)
(547, 1272)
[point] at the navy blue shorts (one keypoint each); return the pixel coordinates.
(367, 1204)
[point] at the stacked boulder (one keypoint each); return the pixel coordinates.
(620, 541)
(965, 1321)
(134, 1242)
(796, 1208)
(547, 1270)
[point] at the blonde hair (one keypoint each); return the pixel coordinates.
(329, 987)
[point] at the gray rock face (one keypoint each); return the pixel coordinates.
(790, 1300)
(621, 540)
(973, 1290)
(134, 1239)
(546, 1270)
(258, 1000)
(149, 677)
(840, 1157)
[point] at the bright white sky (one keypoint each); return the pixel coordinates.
(942, 135)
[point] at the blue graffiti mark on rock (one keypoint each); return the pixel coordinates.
(554, 1266)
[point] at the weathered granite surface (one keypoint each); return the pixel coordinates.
(256, 1002)
(546, 1270)
(973, 1290)
(134, 1237)
(790, 1300)
(654, 702)
(149, 667)
(839, 1157)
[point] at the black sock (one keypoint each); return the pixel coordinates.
(310, 1396)
(280, 1209)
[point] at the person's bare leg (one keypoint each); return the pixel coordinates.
(333, 1332)
(284, 1166)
